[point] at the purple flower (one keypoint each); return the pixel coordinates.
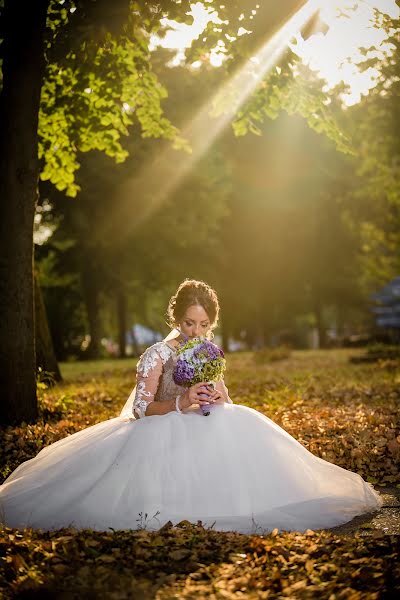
(183, 373)
(209, 350)
(199, 360)
(200, 350)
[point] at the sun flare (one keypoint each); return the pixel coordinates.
(333, 55)
(336, 55)
(350, 27)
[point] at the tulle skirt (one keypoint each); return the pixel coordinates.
(234, 470)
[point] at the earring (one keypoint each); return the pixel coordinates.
(210, 335)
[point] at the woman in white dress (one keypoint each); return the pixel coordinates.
(161, 460)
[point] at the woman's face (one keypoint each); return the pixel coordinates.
(195, 322)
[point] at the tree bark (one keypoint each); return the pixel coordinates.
(23, 72)
(224, 336)
(91, 294)
(320, 323)
(45, 355)
(121, 314)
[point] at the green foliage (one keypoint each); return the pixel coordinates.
(238, 222)
(108, 232)
(386, 355)
(54, 410)
(90, 106)
(47, 267)
(384, 348)
(295, 89)
(44, 379)
(287, 239)
(99, 80)
(376, 192)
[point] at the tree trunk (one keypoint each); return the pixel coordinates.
(135, 345)
(121, 314)
(320, 323)
(91, 294)
(23, 71)
(340, 321)
(224, 336)
(45, 355)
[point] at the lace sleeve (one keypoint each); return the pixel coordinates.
(221, 387)
(149, 369)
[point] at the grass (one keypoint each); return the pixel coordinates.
(72, 370)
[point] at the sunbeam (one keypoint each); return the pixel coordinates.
(157, 180)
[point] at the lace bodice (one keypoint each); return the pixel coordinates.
(155, 378)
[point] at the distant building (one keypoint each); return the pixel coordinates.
(140, 337)
(387, 305)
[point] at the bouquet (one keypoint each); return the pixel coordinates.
(199, 360)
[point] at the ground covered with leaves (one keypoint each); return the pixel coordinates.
(191, 562)
(344, 412)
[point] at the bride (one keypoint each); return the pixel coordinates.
(161, 460)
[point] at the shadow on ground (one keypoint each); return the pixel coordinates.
(386, 520)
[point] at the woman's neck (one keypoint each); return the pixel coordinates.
(174, 338)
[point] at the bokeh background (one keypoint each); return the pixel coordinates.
(297, 231)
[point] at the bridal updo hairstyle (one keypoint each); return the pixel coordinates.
(192, 292)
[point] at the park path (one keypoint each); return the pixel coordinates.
(384, 521)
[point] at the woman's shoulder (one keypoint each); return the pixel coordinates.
(152, 354)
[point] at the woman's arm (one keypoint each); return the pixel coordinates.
(161, 407)
(149, 370)
(148, 373)
(185, 400)
(222, 391)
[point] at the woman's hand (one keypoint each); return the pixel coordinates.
(195, 395)
(216, 397)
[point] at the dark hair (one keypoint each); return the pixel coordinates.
(192, 292)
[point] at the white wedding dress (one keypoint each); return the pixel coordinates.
(235, 470)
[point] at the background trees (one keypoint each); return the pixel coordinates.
(375, 122)
(78, 73)
(266, 219)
